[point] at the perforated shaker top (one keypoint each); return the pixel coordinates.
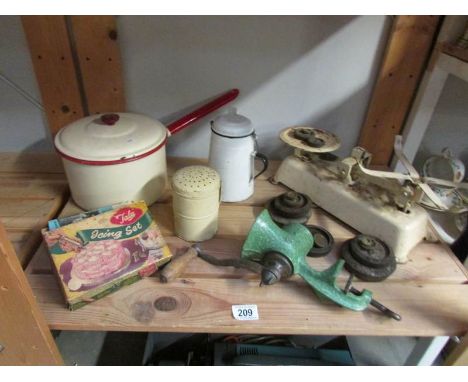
(196, 181)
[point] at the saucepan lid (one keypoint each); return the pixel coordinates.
(110, 138)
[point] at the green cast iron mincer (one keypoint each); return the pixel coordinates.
(294, 241)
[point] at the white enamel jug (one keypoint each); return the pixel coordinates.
(233, 151)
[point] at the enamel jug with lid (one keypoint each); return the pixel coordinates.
(233, 151)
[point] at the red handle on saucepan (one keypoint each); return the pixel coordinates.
(202, 111)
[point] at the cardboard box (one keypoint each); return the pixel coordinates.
(98, 255)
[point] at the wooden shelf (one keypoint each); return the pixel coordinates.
(29, 198)
(455, 51)
(428, 291)
(204, 305)
(453, 65)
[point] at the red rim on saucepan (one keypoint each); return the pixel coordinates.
(110, 162)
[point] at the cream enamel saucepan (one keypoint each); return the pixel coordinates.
(110, 158)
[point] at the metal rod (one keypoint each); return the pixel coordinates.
(21, 91)
(232, 262)
(348, 283)
(379, 306)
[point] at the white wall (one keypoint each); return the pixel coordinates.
(22, 125)
(449, 124)
(313, 70)
(290, 70)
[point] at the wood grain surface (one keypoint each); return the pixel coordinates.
(56, 74)
(406, 55)
(428, 263)
(18, 163)
(459, 356)
(97, 48)
(289, 307)
(429, 291)
(18, 238)
(29, 197)
(24, 336)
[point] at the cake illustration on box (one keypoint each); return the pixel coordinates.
(97, 255)
(95, 263)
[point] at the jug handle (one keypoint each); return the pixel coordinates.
(264, 160)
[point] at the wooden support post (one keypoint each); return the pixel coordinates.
(96, 43)
(404, 62)
(25, 338)
(431, 86)
(52, 59)
(426, 351)
(459, 356)
(420, 114)
(78, 66)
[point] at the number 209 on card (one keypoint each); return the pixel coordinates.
(245, 312)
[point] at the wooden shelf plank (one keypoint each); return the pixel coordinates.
(18, 238)
(28, 215)
(425, 291)
(290, 307)
(25, 214)
(453, 65)
(429, 263)
(455, 51)
(32, 186)
(19, 163)
(25, 337)
(27, 201)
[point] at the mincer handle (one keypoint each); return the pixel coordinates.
(175, 268)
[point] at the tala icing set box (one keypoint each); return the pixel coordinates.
(98, 252)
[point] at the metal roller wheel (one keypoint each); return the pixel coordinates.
(290, 207)
(323, 241)
(369, 258)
